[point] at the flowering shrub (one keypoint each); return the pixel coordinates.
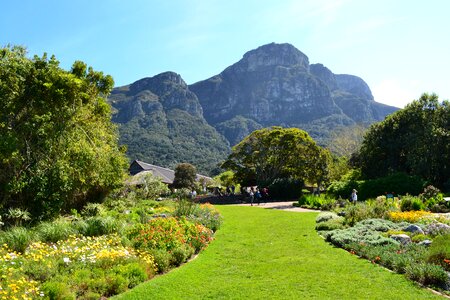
(159, 233)
(169, 234)
(23, 274)
(408, 216)
(208, 216)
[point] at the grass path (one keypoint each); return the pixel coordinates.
(269, 254)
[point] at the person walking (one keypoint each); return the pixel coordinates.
(354, 196)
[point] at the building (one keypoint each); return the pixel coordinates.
(139, 168)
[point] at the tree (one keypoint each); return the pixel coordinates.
(226, 178)
(273, 153)
(58, 148)
(414, 140)
(185, 175)
(345, 141)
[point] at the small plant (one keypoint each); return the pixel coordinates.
(185, 207)
(162, 259)
(440, 251)
(430, 192)
(96, 226)
(411, 203)
(326, 216)
(17, 216)
(182, 254)
(92, 210)
(17, 238)
(331, 224)
(208, 216)
(437, 228)
(356, 213)
(55, 231)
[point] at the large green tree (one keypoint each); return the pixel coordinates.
(185, 176)
(273, 153)
(414, 140)
(58, 147)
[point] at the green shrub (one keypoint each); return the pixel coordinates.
(92, 210)
(344, 237)
(134, 272)
(381, 206)
(39, 271)
(322, 202)
(326, 216)
(343, 189)
(208, 216)
(439, 253)
(417, 238)
(427, 274)
(356, 213)
(17, 238)
(57, 290)
(430, 192)
(331, 224)
(400, 183)
(185, 207)
(96, 226)
(115, 284)
(18, 216)
(181, 254)
(411, 203)
(285, 188)
(55, 231)
(379, 225)
(162, 259)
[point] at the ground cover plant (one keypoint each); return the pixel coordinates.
(102, 250)
(269, 254)
(399, 240)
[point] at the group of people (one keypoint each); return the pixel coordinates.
(255, 194)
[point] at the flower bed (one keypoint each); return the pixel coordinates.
(401, 243)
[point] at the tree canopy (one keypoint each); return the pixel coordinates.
(272, 153)
(185, 175)
(414, 140)
(58, 148)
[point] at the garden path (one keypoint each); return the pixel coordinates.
(286, 205)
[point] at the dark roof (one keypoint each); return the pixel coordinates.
(166, 175)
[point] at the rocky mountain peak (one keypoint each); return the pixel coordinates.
(162, 83)
(354, 85)
(324, 74)
(284, 55)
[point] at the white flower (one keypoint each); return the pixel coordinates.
(66, 260)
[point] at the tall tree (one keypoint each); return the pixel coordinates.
(414, 140)
(58, 147)
(272, 153)
(185, 175)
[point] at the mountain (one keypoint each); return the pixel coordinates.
(275, 85)
(164, 121)
(161, 121)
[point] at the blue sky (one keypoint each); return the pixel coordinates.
(400, 48)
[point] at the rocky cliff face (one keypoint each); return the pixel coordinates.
(164, 121)
(275, 85)
(161, 121)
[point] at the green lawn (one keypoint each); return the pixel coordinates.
(268, 254)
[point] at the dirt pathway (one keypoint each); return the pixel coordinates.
(280, 205)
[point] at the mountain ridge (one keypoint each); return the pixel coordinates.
(273, 84)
